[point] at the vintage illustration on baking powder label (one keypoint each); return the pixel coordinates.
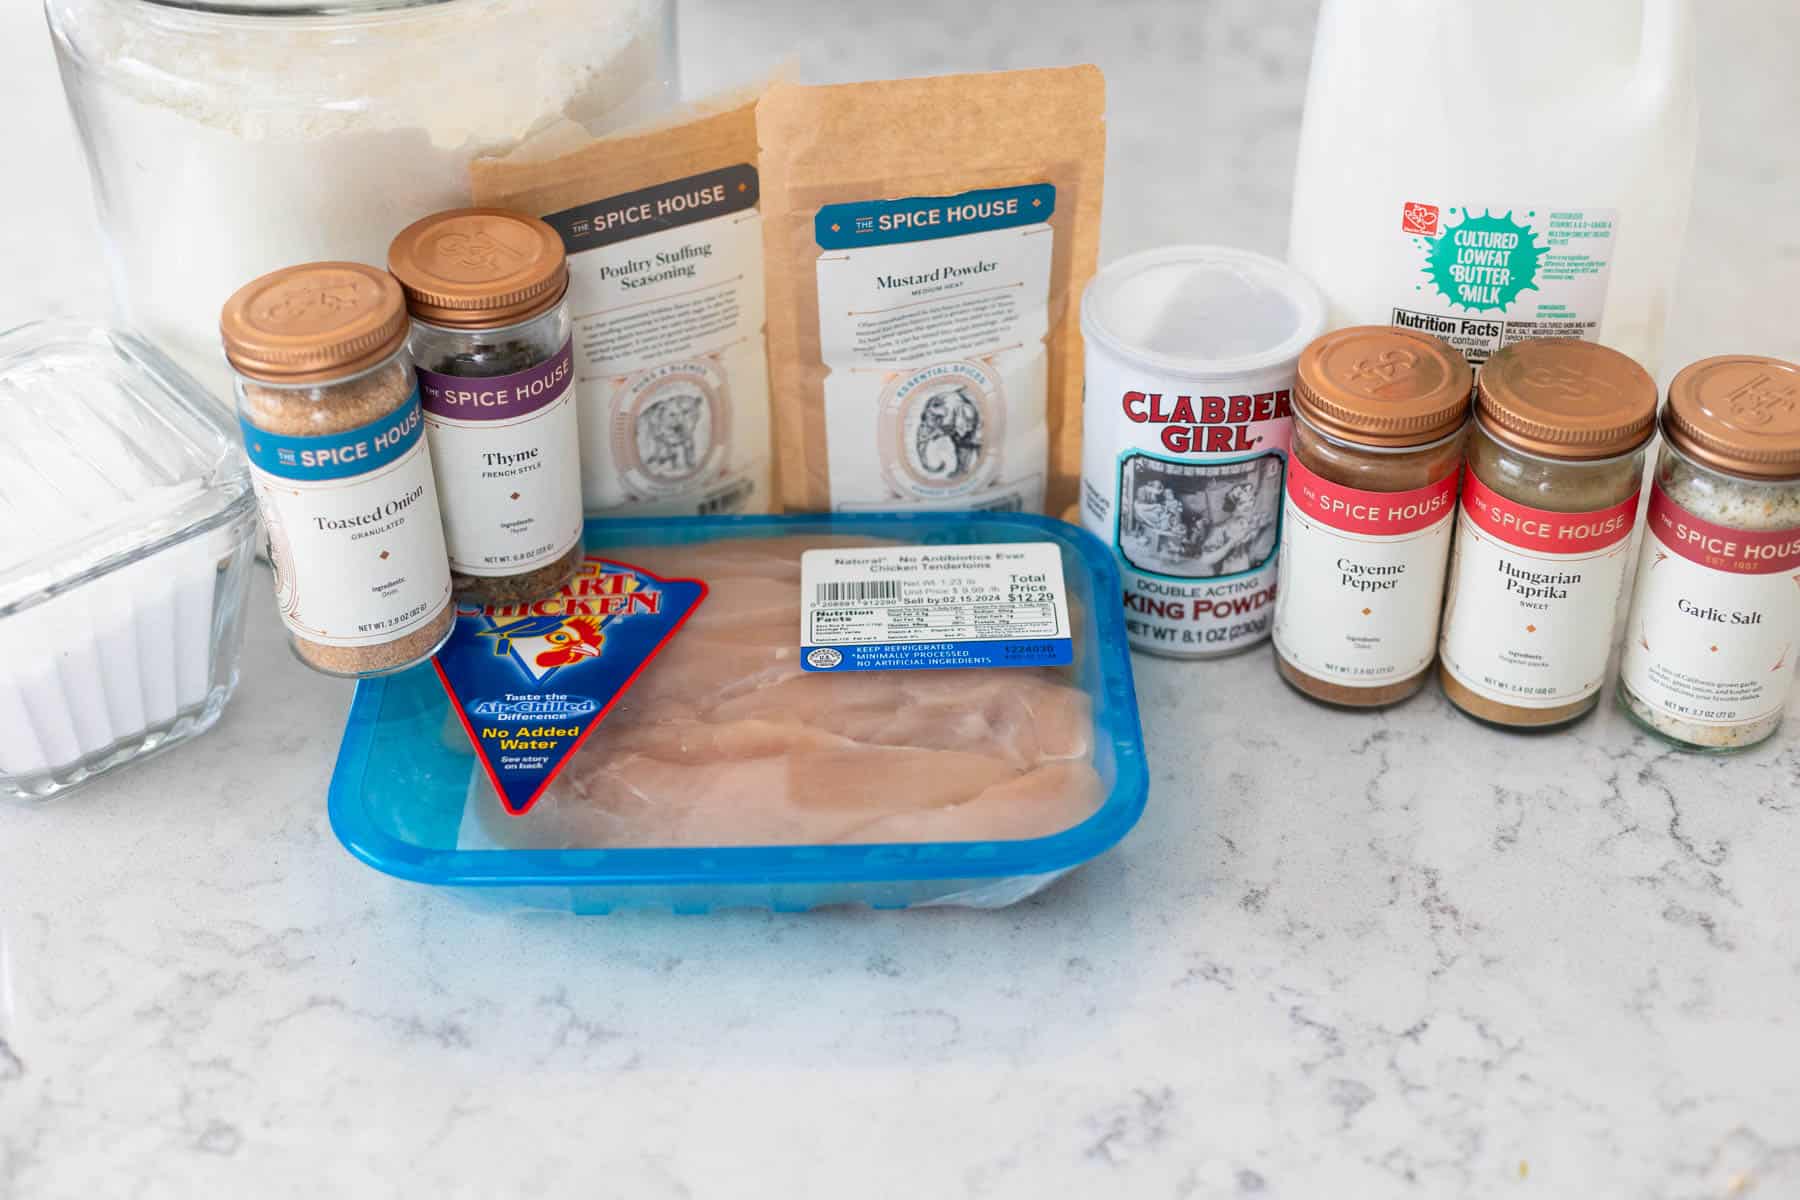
(1533, 593)
(933, 312)
(909, 608)
(354, 531)
(666, 286)
(529, 682)
(1716, 619)
(1186, 486)
(1482, 277)
(1363, 577)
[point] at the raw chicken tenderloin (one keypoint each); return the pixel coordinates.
(727, 741)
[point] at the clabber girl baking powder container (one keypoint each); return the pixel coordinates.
(1191, 352)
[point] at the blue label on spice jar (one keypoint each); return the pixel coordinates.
(342, 455)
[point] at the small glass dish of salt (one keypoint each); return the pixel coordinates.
(126, 531)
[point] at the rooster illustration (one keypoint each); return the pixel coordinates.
(579, 638)
(569, 639)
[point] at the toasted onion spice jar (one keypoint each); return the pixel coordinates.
(1371, 496)
(330, 414)
(1550, 495)
(1714, 632)
(491, 334)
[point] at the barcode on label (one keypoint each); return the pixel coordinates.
(857, 591)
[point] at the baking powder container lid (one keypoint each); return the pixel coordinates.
(1739, 413)
(1382, 386)
(314, 323)
(1201, 311)
(1569, 399)
(479, 268)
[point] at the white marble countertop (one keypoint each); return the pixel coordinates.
(1341, 956)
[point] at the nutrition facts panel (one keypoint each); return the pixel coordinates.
(919, 607)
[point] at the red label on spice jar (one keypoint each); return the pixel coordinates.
(1376, 514)
(1739, 551)
(1541, 531)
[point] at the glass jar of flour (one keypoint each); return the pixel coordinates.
(228, 138)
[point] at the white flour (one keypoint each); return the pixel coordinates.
(226, 147)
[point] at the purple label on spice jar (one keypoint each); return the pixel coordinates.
(498, 397)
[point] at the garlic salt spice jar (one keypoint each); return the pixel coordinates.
(488, 292)
(1714, 632)
(330, 413)
(1370, 499)
(1550, 496)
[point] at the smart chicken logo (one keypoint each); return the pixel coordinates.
(529, 682)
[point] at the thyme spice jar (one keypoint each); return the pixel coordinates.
(1370, 500)
(330, 414)
(1714, 632)
(1550, 496)
(491, 333)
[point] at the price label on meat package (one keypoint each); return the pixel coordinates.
(909, 608)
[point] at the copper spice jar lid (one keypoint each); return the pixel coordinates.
(1383, 386)
(479, 268)
(1563, 398)
(1739, 413)
(314, 323)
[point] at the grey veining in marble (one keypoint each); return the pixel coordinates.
(1342, 956)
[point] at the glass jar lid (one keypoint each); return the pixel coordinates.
(314, 323)
(112, 454)
(1563, 398)
(1383, 386)
(479, 267)
(1739, 413)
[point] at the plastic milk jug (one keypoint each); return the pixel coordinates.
(1496, 172)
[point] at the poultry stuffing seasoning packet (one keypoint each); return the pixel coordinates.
(927, 242)
(665, 247)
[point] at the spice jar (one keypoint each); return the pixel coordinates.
(1714, 632)
(1371, 494)
(330, 414)
(1550, 495)
(491, 334)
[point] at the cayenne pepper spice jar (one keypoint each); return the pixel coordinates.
(330, 413)
(1714, 632)
(1371, 493)
(491, 333)
(1550, 495)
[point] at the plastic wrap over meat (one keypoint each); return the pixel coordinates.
(726, 741)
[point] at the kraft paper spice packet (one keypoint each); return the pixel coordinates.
(664, 237)
(927, 242)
